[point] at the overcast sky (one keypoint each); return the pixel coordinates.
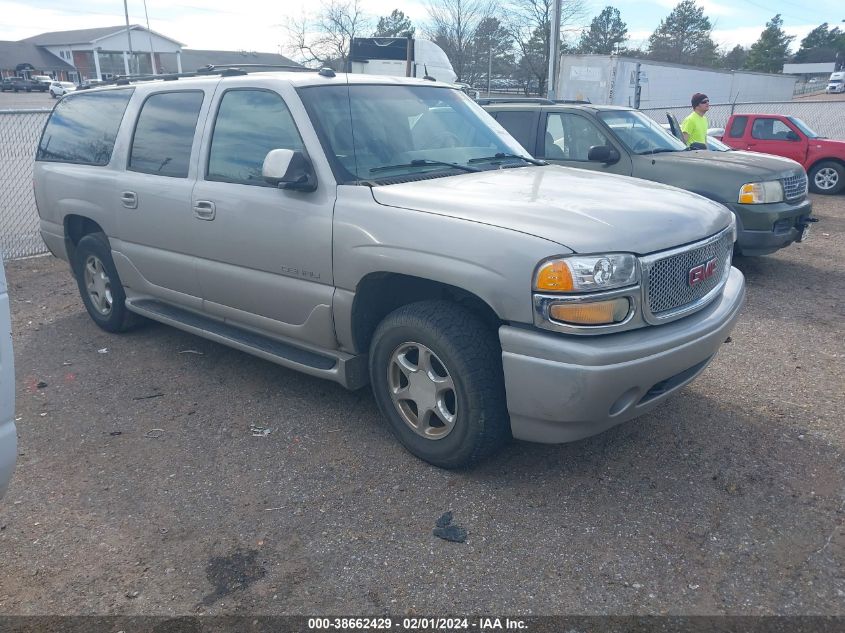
(257, 25)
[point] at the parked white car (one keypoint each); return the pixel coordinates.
(8, 433)
(61, 88)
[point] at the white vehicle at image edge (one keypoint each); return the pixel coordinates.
(387, 230)
(61, 88)
(8, 433)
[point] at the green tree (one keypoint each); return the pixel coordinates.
(452, 26)
(492, 49)
(735, 58)
(768, 54)
(821, 45)
(684, 37)
(607, 31)
(396, 24)
(533, 67)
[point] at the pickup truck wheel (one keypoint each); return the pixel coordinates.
(827, 177)
(99, 284)
(436, 371)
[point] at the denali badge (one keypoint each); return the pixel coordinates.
(699, 273)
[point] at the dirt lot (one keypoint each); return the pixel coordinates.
(141, 488)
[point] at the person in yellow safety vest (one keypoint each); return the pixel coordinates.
(694, 126)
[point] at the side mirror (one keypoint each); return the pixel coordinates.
(792, 136)
(603, 154)
(289, 169)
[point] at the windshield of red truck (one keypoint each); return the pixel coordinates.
(806, 129)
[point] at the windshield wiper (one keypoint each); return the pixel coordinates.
(498, 155)
(658, 150)
(423, 162)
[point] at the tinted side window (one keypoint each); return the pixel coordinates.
(249, 124)
(570, 137)
(83, 127)
(769, 130)
(738, 126)
(164, 133)
(520, 125)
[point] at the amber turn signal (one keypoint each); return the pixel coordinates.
(554, 276)
(593, 313)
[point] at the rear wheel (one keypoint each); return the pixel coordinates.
(827, 177)
(436, 372)
(99, 284)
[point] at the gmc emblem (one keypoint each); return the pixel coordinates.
(699, 273)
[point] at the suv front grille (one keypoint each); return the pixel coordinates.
(794, 186)
(667, 278)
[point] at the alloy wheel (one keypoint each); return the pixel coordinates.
(422, 390)
(826, 178)
(98, 285)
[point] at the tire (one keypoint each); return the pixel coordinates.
(99, 284)
(827, 177)
(466, 416)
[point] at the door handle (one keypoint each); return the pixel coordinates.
(204, 210)
(129, 199)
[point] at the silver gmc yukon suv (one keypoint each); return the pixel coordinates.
(388, 231)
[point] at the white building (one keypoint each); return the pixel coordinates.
(104, 52)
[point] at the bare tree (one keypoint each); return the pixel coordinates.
(323, 39)
(530, 25)
(453, 27)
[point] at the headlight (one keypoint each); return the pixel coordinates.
(587, 273)
(761, 192)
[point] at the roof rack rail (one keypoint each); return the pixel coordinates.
(491, 100)
(224, 70)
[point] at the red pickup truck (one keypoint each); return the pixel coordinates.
(789, 136)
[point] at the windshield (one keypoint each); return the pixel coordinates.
(379, 132)
(639, 133)
(717, 146)
(806, 129)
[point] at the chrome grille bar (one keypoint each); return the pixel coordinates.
(682, 280)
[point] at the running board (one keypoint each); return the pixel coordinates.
(350, 371)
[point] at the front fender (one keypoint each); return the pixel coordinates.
(493, 263)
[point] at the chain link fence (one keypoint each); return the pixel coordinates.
(19, 134)
(21, 129)
(826, 118)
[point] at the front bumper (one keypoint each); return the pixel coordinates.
(766, 228)
(561, 388)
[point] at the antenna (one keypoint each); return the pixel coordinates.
(426, 75)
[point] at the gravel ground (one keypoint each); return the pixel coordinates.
(141, 489)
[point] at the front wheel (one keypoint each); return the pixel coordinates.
(436, 372)
(827, 177)
(99, 284)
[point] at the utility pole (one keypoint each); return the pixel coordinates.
(128, 34)
(489, 62)
(554, 50)
(150, 33)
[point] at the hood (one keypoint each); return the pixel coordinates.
(585, 211)
(832, 145)
(746, 166)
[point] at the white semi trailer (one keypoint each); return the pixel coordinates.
(400, 57)
(640, 83)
